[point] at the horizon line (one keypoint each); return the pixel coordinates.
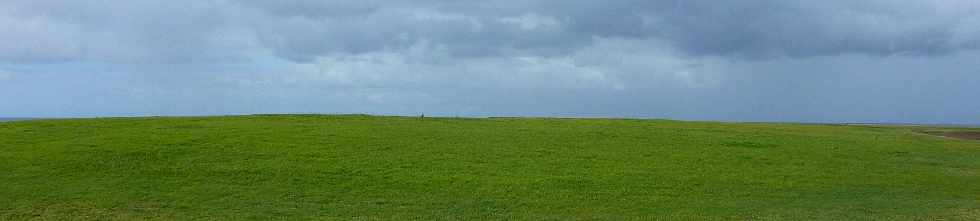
(869, 123)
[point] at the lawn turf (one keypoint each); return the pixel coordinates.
(354, 167)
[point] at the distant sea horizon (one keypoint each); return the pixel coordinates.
(13, 118)
(3, 119)
(918, 124)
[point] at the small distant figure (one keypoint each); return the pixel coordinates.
(422, 116)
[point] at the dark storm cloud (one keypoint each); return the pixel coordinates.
(817, 28)
(755, 28)
(303, 29)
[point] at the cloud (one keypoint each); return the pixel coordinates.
(5, 75)
(123, 32)
(36, 39)
(300, 30)
(693, 59)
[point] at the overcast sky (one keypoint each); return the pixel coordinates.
(912, 61)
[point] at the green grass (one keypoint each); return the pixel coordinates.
(303, 167)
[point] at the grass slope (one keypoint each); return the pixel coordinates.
(398, 168)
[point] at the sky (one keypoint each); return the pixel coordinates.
(898, 61)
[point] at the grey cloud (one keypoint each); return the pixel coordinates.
(129, 31)
(36, 39)
(316, 8)
(875, 60)
(753, 29)
(213, 30)
(772, 28)
(6, 75)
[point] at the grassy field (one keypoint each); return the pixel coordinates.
(303, 167)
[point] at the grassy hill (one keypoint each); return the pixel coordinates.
(399, 168)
